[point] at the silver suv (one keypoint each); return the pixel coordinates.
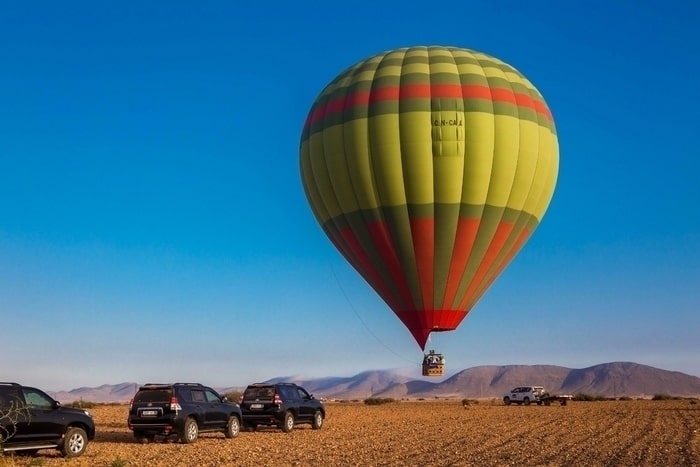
(524, 395)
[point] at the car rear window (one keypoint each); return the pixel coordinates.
(152, 395)
(267, 392)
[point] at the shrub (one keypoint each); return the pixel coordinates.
(81, 404)
(378, 400)
(233, 396)
(664, 397)
(580, 396)
(119, 462)
(9, 416)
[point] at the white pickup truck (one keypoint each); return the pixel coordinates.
(528, 394)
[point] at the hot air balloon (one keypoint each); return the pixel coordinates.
(429, 168)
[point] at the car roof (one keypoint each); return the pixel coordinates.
(261, 385)
(148, 386)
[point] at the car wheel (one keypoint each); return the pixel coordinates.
(506, 400)
(288, 422)
(317, 423)
(190, 431)
(233, 427)
(526, 401)
(74, 442)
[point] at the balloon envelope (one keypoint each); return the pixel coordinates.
(429, 168)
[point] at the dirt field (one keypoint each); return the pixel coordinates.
(620, 433)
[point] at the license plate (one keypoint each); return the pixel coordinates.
(256, 406)
(149, 413)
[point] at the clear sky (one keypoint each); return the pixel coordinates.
(153, 226)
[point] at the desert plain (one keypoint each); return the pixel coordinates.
(423, 433)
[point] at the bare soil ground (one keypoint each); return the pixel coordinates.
(436, 433)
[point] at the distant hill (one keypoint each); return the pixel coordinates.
(121, 392)
(608, 379)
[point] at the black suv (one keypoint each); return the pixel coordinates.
(181, 409)
(281, 404)
(31, 420)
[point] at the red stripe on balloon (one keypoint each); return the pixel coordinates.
(425, 91)
(467, 230)
(358, 256)
(384, 245)
(423, 232)
(499, 239)
(523, 235)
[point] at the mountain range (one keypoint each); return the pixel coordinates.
(614, 379)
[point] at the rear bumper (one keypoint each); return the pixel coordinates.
(263, 418)
(161, 427)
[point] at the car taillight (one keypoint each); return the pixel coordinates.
(174, 404)
(277, 400)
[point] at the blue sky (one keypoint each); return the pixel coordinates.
(153, 226)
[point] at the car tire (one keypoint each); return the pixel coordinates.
(233, 427)
(506, 400)
(288, 422)
(526, 401)
(317, 422)
(190, 431)
(74, 442)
